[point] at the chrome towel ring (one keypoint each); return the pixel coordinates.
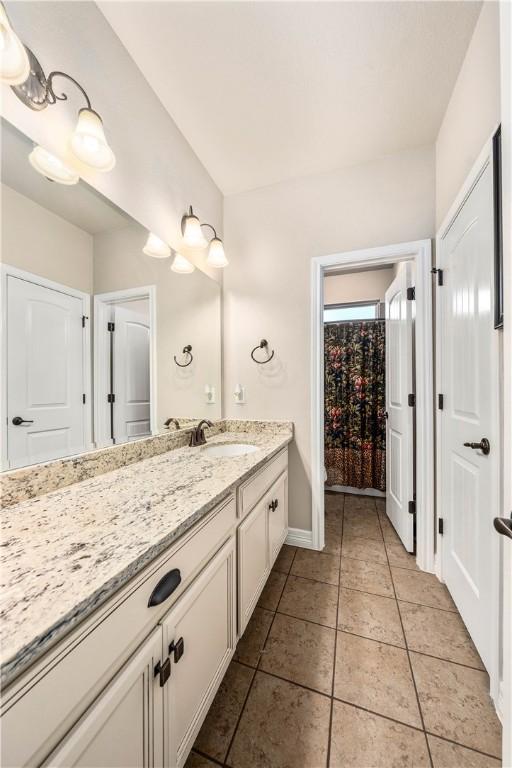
(262, 345)
(186, 351)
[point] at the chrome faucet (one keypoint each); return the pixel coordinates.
(172, 421)
(197, 436)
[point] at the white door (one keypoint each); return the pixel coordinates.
(469, 383)
(399, 424)
(200, 636)
(131, 375)
(45, 376)
(123, 728)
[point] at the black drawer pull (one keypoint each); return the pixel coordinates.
(165, 587)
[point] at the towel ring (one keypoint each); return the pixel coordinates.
(186, 351)
(262, 345)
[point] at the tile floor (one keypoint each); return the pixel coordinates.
(354, 658)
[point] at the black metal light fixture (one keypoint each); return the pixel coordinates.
(191, 229)
(21, 69)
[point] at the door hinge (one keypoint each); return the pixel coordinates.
(440, 526)
(439, 273)
(178, 649)
(84, 318)
(163, 671)
(411, 293)
(412, 507)
(111, 398)
(411, 400)
(83, 398)
(440, 402)
(111, 327)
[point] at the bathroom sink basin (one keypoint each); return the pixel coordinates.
(229, 449)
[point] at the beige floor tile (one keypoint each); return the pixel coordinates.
(316, 565)
(423, 588)
(389, 533)
(282, 726)
(438, 633)
(367, 577)
(284, 559)
(364, 549)
(217, 730)
(456, 704)
(272, 591)
(332, 542)
(333, 521)
(398, 555)
(380, 505)
(445, 754)
(360, 739)
(198, 761)
(365, 527)
(371, 616)
(377, 677)
(250, 645)
(311, 600)
(301, 652)
(334, 501)
(353, 502)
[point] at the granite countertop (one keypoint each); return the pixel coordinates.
(65, 553)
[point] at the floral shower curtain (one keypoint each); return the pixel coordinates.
(355, 426)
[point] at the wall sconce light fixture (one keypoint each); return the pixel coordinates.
(156, 248)
(51, 167)
(194, 238)
(181, 265)
(21, 70)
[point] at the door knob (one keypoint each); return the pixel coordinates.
(484, 446)
(17, 421)
(504, 526)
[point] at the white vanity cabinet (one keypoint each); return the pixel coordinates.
(124, 726)
(132, 684)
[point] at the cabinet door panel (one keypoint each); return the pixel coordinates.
(205, 619)
(253, 561)
(123, 727)
(277, 516)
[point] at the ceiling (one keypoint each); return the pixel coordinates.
(268, 91)
(80, 204)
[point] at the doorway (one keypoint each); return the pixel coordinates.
(46, 372)
(124, 360)
(419, 254)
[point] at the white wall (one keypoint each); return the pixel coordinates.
(188, 311)
(272, 233)
(473, 110)
(357, 286)
(157, 174)
(38, 241)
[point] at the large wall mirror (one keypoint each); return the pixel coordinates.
(101, 343)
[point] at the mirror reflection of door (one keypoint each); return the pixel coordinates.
(46, 381)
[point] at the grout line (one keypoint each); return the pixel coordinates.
(458, 744)
(331, 712)
(410, 663)
(256, 669)
(206, 756)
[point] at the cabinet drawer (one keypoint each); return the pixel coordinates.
(253, 489)
(65, 683)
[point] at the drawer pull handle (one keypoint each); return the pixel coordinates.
(165, 587)
(178, 649)
(273, 505)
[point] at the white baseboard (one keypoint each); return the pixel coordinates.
(356, 491)
(298, 537)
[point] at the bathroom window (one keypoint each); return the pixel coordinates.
(336, 313)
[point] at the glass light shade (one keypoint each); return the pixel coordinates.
(14, 63)
(50, 166)
(89, 144)
(181, 265)
(156, 247)
(216, 256)
(192, 234)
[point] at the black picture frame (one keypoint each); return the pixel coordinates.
(498, 229)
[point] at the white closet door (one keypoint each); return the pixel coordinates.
(399, 425)
(44, 373)
(131, 375)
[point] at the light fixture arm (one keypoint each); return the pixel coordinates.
(205, 224)
(52, 97)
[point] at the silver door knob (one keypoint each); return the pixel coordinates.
(484, 446)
